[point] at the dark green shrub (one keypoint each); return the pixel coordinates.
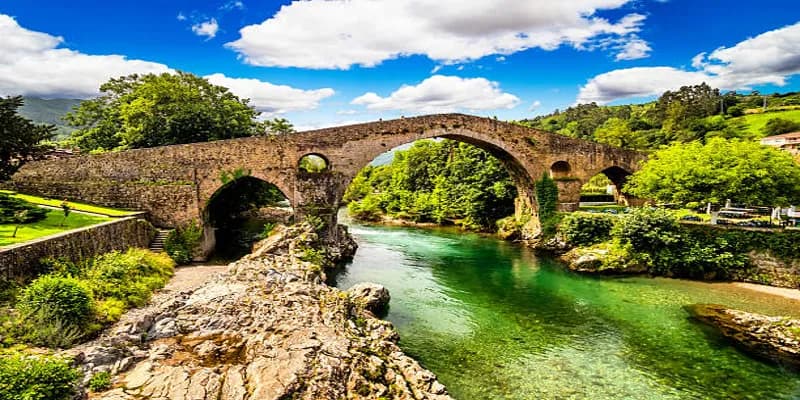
(366, 209)
(50, 296)
(547, 199)
(583, 229)
(648, 229)
(182, 242)
(100, 381)
(11, 206)
(36, 378)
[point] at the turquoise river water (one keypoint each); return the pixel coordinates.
(494, 321)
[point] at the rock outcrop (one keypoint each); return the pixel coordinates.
(375, 298)
(268, 328)
(771, 338)
(591, 260)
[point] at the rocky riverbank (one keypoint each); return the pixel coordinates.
(268, 328)
(771, 338)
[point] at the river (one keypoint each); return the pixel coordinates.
(494, 321)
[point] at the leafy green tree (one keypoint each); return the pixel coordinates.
(151, 110)
(276, 126)
(743, 171)
(615, 132)
(20, 139)
(778, 126)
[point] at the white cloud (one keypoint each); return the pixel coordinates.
(207, 28)
(442, 94)
(368, 32)
(634, 49)
(32, 64)
(769, 58)
(181, 17)
(269, 98)
(536, 104)
(347, 112)
(232, 5)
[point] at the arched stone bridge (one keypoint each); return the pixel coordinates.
(175, 183)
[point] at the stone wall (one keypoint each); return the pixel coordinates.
(21, 262)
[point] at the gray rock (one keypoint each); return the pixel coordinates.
(374, 297)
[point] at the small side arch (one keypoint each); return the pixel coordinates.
(560, 169)
(313, 163)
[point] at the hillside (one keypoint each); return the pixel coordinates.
(49, 111)
(690, 113)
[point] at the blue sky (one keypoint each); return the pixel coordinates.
(322, 63)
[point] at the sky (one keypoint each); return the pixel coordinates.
(325, 63)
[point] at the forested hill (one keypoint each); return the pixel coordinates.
(690, 113)
(49, 111)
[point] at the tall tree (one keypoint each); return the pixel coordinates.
(154, 110)
(20, 139)
(743, 171)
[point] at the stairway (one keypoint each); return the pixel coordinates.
(157, 245)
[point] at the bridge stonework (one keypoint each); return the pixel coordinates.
(175, 183)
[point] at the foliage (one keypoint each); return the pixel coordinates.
(151, 110)
(58, 297)
(648, 229)
(435, 181)
(547, 199)
(585, 229)
(37, 377)
(129, 277)
(241, 193)
(743, 171)
(266, 231)
(20, 139)
(777, 126)
(276, 126)
(100, 381)
(690, 113)
(313, 163)
(182, 242)
(10, 207)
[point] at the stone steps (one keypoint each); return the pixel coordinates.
(157, 245)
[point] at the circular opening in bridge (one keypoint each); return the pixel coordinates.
(560, 170)
(313, 163)
(242, 212)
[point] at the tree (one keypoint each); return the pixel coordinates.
(20, 139)
(678, 108)
(721, 169)
(276, 126)
(778, 126)
(151, 110)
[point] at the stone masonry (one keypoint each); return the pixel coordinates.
(175, 183)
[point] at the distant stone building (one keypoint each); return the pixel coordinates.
(788, 141)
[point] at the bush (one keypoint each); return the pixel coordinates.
(129, 277)
(100, 381)
(66, 299)
(582, 229)
(37, 378)
(648, 229)
(366, 209)
(182, 242)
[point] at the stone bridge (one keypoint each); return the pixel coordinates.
(174, 184)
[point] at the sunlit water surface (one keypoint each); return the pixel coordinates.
(493, 321)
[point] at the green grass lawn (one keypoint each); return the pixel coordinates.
(756, 122)
(47, 226)
(111, 212)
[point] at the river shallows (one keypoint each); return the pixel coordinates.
(493, 321)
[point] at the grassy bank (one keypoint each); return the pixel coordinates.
(111, 212)
(52, 224)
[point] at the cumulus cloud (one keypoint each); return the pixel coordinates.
(633, 49)
(536, 104)
(206, 28)
(769, 58)
(269, 98)
(442, 94)
(32, 64)
(368, 32)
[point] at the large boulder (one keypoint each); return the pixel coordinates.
(771, 338)
(375, 298)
